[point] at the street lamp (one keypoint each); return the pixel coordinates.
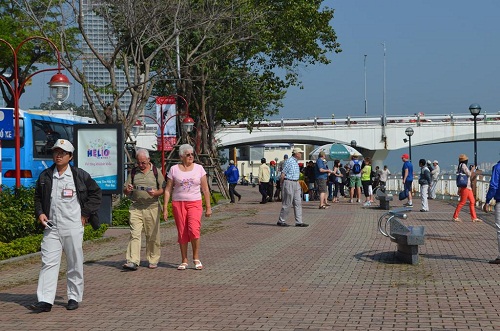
(475, 109)
(136, 128)
(187, 126)
(409, 133)
(59, 90)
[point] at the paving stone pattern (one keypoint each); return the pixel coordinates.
(337, 274)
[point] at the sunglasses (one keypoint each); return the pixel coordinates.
(189, 154)
(60, 153)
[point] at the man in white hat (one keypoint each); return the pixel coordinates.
(291, 195)
(65, 198)
(434, 174)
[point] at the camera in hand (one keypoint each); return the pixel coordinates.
(50, 225)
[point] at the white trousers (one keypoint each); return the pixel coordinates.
(432, 189)
(424, 191)
(54, 242)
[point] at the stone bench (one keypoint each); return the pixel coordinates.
(384, 199)
(407, 238)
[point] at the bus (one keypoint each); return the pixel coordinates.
(39, 130)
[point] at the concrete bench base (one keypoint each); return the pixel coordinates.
(384, 199)
(407, 239)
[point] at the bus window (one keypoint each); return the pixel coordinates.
(45, 135)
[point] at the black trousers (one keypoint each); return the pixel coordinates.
(263, 187)
(232, 192)
(270, 190)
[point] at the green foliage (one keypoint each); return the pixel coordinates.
(32, 244)
(20, 233)
(17, 214)
(33, 32)
(120, 212)
(91, 234)
(20, 246)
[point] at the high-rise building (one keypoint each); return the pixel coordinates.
(102, 39)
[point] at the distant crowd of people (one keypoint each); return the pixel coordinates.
(354, 180)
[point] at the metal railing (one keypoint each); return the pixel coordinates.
(418, 119)
(446, 188)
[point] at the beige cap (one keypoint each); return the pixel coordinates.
(65, 145)
(297, 150)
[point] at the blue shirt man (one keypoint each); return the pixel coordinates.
(407, 177)
(233, 175)
(494, 192)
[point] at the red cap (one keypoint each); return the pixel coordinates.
(405, 156)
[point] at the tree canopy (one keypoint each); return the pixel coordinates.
(233, 60)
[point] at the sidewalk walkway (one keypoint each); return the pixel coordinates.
(336, 274)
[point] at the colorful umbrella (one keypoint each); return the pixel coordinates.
(334, 152)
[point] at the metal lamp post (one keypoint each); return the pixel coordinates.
(187, 126)
(409, 132)
(59, 90)
(475, 109)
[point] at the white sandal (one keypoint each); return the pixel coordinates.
(182, 266)
(198, 265)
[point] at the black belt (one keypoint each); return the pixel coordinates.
(292, 180)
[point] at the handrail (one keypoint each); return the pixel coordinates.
(360, 120)
(398, 212)
(446, 188)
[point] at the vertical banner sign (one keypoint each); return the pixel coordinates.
(6, 124)
(165, 116)
(6, 131)
(99, 151)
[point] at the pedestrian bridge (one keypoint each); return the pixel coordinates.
(369, 133)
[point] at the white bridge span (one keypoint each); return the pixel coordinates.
(369, 133)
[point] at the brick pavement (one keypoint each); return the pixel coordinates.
(337, 274)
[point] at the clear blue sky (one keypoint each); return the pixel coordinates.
(441, 56)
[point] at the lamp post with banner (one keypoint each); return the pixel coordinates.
(167, 130)
(59, 90)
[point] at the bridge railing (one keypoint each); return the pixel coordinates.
(418, 119)
(446, 188)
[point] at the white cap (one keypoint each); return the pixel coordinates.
(297, 150)
(435, 161)
(65, 145)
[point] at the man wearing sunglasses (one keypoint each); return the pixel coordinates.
(144, 186)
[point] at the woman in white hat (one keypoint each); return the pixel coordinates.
(434, 176)
(466, 193)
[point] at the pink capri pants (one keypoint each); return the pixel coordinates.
(187, 215)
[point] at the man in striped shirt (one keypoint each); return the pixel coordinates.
(291, 195)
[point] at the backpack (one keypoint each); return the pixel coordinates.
(356, 169)
(461, 178)
(155, 172)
